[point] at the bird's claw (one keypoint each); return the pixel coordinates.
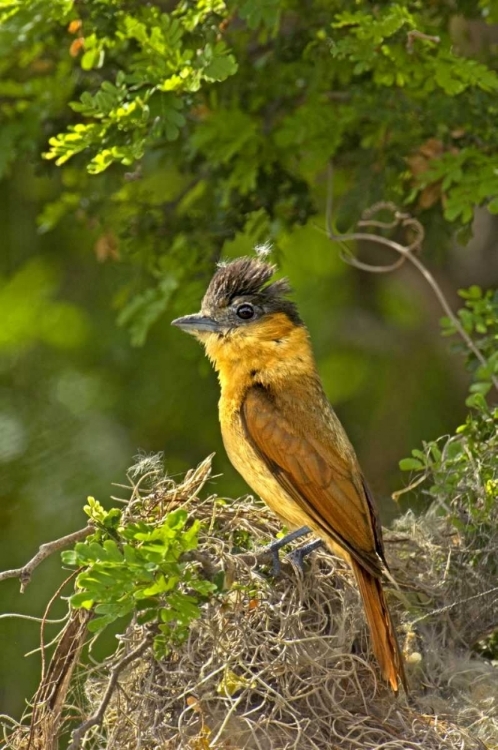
(296, 557)
(275, 547)
(276, 567)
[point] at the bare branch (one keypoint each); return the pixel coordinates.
(31, 618)
(97, 718)
(24, 574)
(415, 34)
(396, 495)
(458, 603)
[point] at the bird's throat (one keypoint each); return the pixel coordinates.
(269, 353)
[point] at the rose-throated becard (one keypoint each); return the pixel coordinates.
(283, 436)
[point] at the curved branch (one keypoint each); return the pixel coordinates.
(407, 253)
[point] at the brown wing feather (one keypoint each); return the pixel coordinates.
(321, 481)
(329, 487)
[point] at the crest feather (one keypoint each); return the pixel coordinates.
(238, 278)
(248, 277)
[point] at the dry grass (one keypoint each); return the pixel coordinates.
(276, 664)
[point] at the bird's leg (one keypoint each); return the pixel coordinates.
(277, 545)
(297, 555)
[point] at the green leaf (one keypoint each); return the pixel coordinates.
(176, 519)
(160, 586)
(477, 401)
(260, 13)
(115, 609)
(419, 454)
(203, 587)
(453, 449)
(221, 68)
(99, 623)
(144, 309)
(82, 600)
(69, 557)
(474, 292)
(435, 451)
(92, 58)
(411, 464)
(112, 550)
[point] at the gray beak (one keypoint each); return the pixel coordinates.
(197, 323)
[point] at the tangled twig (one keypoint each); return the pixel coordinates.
(275, 664)
(97, 717)
(407, 253)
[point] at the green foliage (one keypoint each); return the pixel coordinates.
(468, 178)
(146, 102)
(31, 314)
(372, 44)
(145, 308)
(192, 131)
(237, 107)
(479, 318)
(137, 568)
(463, 469)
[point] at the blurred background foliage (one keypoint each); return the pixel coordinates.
(140, 143)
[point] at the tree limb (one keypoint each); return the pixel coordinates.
(45, 550)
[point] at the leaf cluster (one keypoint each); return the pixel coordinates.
(185, 132)
(463, 469)
(479, 318)
(158, 56)
(139, 568)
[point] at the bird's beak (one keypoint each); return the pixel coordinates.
(197, 323)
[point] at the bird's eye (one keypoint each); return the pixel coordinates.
(245, 311)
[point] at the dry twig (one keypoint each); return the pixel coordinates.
(275, 664)
(24, 574)
(98, 716)
(407, 253)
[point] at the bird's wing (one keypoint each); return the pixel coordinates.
(327, 486)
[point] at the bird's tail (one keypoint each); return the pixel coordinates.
(385, 644)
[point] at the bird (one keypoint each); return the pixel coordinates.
(284, 438)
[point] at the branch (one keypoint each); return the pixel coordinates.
(96, 718)
(44, 619)
(407, 252)
(24, 574)
(451, 606)
(415, 34)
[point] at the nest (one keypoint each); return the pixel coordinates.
(281, 663)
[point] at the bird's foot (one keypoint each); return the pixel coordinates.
(275, 547)
(297, 555)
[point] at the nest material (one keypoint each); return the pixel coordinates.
(275, 664)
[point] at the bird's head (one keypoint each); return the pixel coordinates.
(242, 314)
